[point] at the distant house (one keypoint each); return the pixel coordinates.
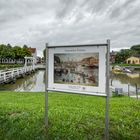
(133, 60)
(33, 52)
(112, 57)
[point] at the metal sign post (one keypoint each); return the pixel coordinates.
(46, 88)
(107, 90)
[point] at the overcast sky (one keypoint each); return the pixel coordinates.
(61, 22)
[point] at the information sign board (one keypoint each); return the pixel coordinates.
(77, 69)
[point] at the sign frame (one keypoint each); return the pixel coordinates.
(107, 75)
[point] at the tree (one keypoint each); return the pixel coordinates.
(44, 54)
(9, 46)
(11, 54)
(122, 55)
(6, 51)
(18, 52)
(26, 51)
(25, 46)
(136, 48)
(21, 52)
(3, 51)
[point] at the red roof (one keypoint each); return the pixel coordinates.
(32, 50)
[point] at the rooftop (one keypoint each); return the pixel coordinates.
(32, 50)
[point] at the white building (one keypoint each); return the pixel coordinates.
(33, 53)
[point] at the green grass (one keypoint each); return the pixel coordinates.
(8, 66)
(71, 117)
(133, 65)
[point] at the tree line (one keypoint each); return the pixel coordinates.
(123, 54)
(16, 52)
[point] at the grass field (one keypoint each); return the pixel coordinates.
(8, 66)
(123, 65)
(71, 117)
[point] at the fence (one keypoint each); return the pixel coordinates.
(13, 61)
(12, 74)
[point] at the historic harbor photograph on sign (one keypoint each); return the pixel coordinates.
(76, 69)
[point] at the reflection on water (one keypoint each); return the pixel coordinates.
(35, 82)
(122, 80)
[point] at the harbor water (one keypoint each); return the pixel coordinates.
(36, 82)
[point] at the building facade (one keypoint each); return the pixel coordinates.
(34, 54)
(133, 60)
(112, 57)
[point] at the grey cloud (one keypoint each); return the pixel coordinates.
(78, 8)
(65, 7)
(14, 10)
(116, 13)
(98, 7)
(132, 13)
(122, 10)
(128, 2)
(60, 22)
